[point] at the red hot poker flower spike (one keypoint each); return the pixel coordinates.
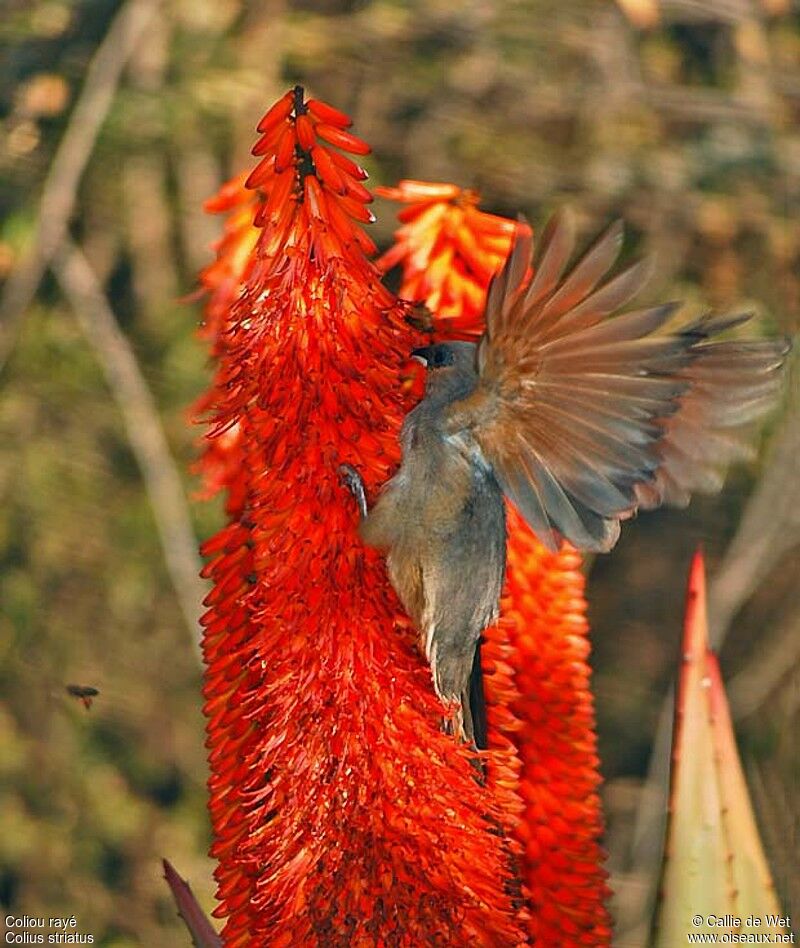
(535, 660)
(342, 815)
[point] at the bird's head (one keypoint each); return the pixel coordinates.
(451, 366)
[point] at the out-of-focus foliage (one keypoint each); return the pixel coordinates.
(687, 128)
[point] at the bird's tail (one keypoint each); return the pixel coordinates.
(473, 703)
(459, 683)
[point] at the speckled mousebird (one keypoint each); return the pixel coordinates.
(579, 416)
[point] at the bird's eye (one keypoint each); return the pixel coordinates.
(442, 357)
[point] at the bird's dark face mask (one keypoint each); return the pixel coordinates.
(434, 357)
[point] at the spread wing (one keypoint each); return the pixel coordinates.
(731, 385)
(585, 418)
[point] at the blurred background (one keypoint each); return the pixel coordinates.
(117, 119)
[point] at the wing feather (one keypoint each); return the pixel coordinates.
(597, 261)
(601, 303)
(560, 508)
(586, 415)
(632, 325)
(523, 490)
(558, 244)
(731, 385)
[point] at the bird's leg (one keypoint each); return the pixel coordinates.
(354, 483)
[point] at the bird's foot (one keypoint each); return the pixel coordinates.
(353, 482)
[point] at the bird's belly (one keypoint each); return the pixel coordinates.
(448, 565)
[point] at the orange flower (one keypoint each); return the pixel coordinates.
(342, 815)
(223, 281)
(449, 250)
(535, 659)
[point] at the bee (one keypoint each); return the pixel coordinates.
(84, 693)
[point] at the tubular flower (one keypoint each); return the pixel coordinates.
(535, 660)
(449, 250)
(222, 282)
(223, 279)
(342, 815)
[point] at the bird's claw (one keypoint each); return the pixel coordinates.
(353, 481)
(350, 477)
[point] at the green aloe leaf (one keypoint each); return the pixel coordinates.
(201, 930)
(715, 875)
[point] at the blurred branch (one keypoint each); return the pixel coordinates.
(69, 162)
(759, 679)
(198, 176)
(145, 432)
(149, 234)
(259, 54)
(147, 213)
(700, 105)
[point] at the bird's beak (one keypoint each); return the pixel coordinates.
(421, 355)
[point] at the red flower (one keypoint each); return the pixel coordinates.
(223, 281)
(342, 815)
(535, 659)
(449, 250)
